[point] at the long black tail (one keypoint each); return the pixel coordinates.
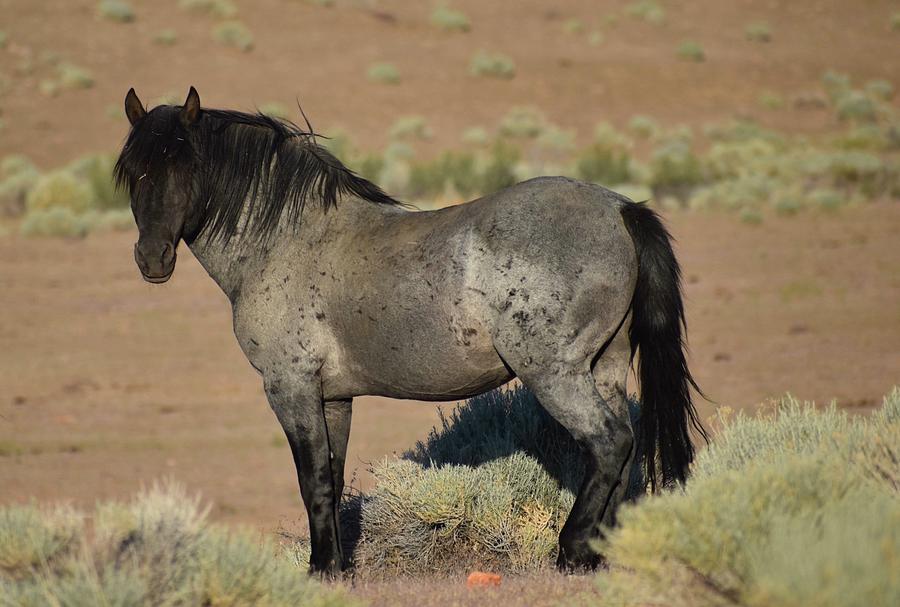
(657, 334)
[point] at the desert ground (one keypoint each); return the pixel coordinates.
(108, 383)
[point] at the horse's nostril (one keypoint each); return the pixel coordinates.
(168, 253)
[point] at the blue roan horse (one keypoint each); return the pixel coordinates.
(338, 291)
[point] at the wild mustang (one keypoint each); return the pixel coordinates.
(338, 290)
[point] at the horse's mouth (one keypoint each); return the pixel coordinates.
(157, 280)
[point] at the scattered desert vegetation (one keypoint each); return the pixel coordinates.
(450, 19)
(798, 507)
(691, 51)
(116, 10)
(157, 549)
(759, 31)
(216, 8)
(68, 202)
(383, 73)
(492, 65)
(166, 37)
(235, 34)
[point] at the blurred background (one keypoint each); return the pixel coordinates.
(766, 132)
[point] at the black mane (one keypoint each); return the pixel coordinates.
(227, 156)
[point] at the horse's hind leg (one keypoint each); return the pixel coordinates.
(602, 429)
(610, 374)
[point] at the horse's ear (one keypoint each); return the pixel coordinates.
(134, 109)
(191, 110)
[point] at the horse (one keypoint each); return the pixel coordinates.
(339, 290)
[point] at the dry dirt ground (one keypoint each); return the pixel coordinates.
(107, 383)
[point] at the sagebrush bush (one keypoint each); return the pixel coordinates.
(491, 487)
(500, 168)
(383, 73)
(450, 20)
(450, 169)
(675, 168)
(796, 508)
(166, 37)
(525, 122)
(60, 189)
(97, 171)
(115, 10)
(607, 160)
(18, 175)
(54, 222)
(759, 31)
(691, 51)
(157, 549)
(216, 8)
(411, 128)
(234, 34)
(647, 10)
(492, 65)
(74, 77)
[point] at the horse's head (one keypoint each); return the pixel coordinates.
(158, 167)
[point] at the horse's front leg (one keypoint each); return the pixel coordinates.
(298, 404)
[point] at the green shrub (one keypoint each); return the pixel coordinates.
(217, 8)
(600, 163)
(234, 34)
(115, 10)
(856, 106)
(895, 22)
(758, 31)
(60, 189)
(796, 509)
(275, 109)
(156, 550)
(595, 38)
(644, 127)
(691, 51)
(74, 77)
(97, 171)
(18, 175)
(411, 128)
(573, 26)
(771, 101)
(647, 10)
(674, 168)
(384, 73)
(450, 20)
(827, 199)
(835, 84)
(475, 135)
(750, 216)
(500, 170)
(525, 122)
(453, 169)
(880, 89)
(54, 222)
(166, 37)
(31, 537)
(492, 65)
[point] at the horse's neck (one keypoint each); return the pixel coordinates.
(230, 263)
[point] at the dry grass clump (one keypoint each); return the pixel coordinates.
(758, 31)
(157, 549)
(450, 20)
(691, 51)
(796, 508)
(217, 8)
(490, 488)
(18, 175)
(492, 65)
(116, 10)
(383, 73)
(235, 34)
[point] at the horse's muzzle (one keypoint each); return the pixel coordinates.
(155, 259)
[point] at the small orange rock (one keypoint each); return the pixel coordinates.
(482, 578)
